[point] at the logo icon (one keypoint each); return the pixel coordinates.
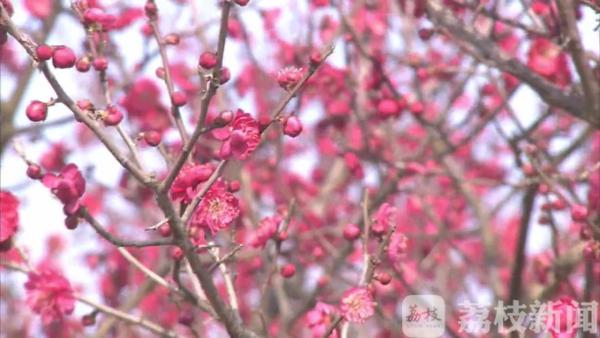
(423, 316)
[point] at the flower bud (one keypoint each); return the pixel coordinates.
(292, 126)
(37, 111)
(63, 57)
(43, 52)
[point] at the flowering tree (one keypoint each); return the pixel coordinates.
(295, 169)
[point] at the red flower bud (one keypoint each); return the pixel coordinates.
(177, 253)
(152, 138)
(37, 111)
(100, 64)
(579, 213)
(388, 108)
(351, 232)
(224, 75)
(207, 60)
(292, 126)
(242, 2)
(44, 52)
(34, 171)
(71, 222)
(83, 64)
(288, 271)
(383, 277)
(178, 99)
(160, 73)
(164, 230)
(315, 58)
(113, 117)
(63, 57)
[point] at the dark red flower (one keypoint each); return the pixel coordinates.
(241, 138)
(49, 294)
(9, 218)
(68, 187)
(217, 210)
(186, 184)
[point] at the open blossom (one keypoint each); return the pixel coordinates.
(357, 305)
(267, 228)
(288, 77)
(68, 187)
(49, 294)
(320, 318)
(187, 182)
(217, 209)
(9, 218)
(241, 138)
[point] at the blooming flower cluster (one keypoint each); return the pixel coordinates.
(217, 210)
(357, 305)
(9, 218)
(68, 186)
(240, 138)
(186, 184)
(49, 294)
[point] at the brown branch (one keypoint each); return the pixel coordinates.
(64, 98)
(116, 313)
(225, 314)
(516, 278)
(84, 213)
(131, 302)
(591, 87)
(213, 85)
(9, 108)
(482, 47)
(176, 115)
